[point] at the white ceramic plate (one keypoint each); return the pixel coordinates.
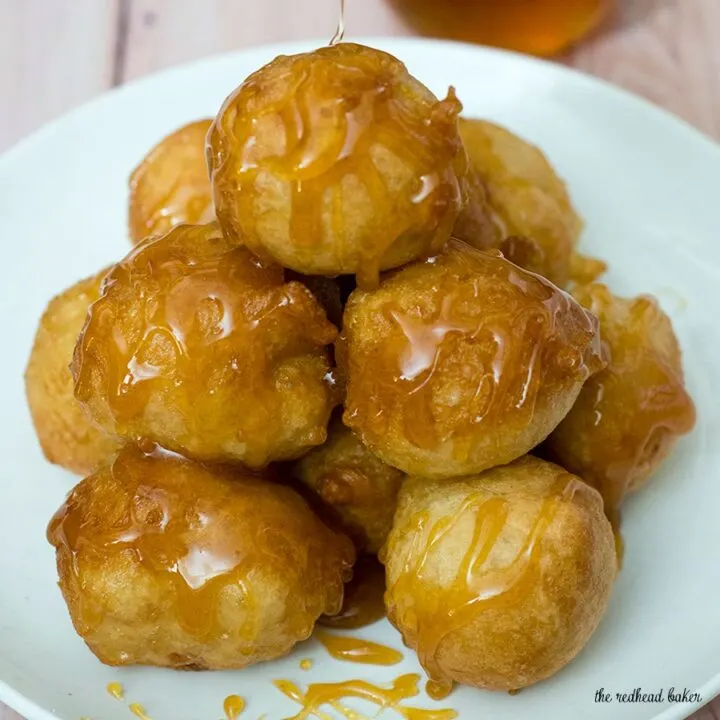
(649, 188)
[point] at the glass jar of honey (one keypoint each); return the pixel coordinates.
(540, 27)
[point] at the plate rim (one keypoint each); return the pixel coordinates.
(25, 706)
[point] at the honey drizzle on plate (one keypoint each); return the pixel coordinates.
(473, 588)
(233, 706)
(320, 694)
(116, 690)
(139, 711)
(357, 650)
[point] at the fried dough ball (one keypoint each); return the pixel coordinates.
(525, 194)
(205, 350)
(163, 561)
(171, 186)
(357, 488)
(628, 417)
(462, 362)
(498, 580)
(337, 161)
(67, 436)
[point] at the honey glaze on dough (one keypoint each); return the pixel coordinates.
(373, 110)
(473, 591)
(385, 698)
(523, 336)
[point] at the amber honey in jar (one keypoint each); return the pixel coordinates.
(540, 27)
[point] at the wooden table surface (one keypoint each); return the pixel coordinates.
(56, 54)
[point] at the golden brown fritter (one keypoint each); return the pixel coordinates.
(337, 161)
(163, 561)
(171, 186)
(498, 580)
(524, 193)
(358, 489)
(202, 348)
(462, 362)
(627, 417)
(66, 434)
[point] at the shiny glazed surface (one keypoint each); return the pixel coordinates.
(462, 362)
(627, 417)
(163, 561)
(201, 347)
(171, 186)
(337, 161)
(498, 580)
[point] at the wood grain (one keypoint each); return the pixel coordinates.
(666, 51)
(55, 54)
(160, 36)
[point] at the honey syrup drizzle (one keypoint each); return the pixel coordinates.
(370, 112)
(357, 650)
(139, 711)
(513, 323)
(203, 304)
(116, 690)
(474, 589)
(166, 533)
(233, 706)
(318, 695)
(340, 31)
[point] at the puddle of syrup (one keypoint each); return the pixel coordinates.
(139, 711)
(233, 706)
(306, 664)
(385, 698)
(357, 650)
(363, 602)
(438, 690)
(116, 690)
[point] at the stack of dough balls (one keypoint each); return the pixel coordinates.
(351, 324)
